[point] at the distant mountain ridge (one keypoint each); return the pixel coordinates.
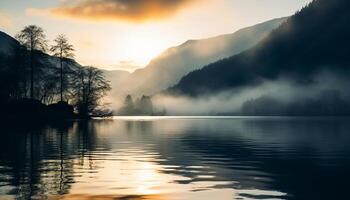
(168, 68)
(312, 40)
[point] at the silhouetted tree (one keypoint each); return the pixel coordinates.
(63, 50)
(90, 87)
(19, 73)
(33, 38)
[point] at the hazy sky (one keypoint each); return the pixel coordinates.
(125, 34)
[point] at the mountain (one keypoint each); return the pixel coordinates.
(7, 44)
(314, 40)
(168, 68)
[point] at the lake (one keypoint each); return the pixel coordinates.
(175, 158)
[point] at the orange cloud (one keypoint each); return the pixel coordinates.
(129, 10)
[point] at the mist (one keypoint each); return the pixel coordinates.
(275, 96)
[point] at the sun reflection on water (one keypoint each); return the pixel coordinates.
(134, 174)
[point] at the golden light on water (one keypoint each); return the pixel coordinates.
(133, 173)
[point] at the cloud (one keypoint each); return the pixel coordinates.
(124, 10)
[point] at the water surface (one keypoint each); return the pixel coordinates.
(177, 158)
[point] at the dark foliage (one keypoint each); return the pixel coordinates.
(28, 109)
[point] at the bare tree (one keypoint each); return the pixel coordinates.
(33, 38)
(63, 50)
(90, 87)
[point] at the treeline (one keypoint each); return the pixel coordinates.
(141, 106)
(327, 103)
(32, 82)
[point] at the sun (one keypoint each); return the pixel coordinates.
(142, 47)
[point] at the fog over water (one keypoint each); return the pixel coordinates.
(284, 90)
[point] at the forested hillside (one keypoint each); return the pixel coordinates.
(314, 39)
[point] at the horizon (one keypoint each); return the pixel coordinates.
(119, 37)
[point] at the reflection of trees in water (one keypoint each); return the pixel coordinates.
(139, 127)
(86, 141)
(40, 160)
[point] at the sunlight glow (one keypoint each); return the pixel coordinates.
(142, 47)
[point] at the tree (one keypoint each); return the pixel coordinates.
(129, 107)
(145, 105)
(90, 87)
(33, 38)
(17, 73)
(63, 50)
(128, 102)
(13, 74)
